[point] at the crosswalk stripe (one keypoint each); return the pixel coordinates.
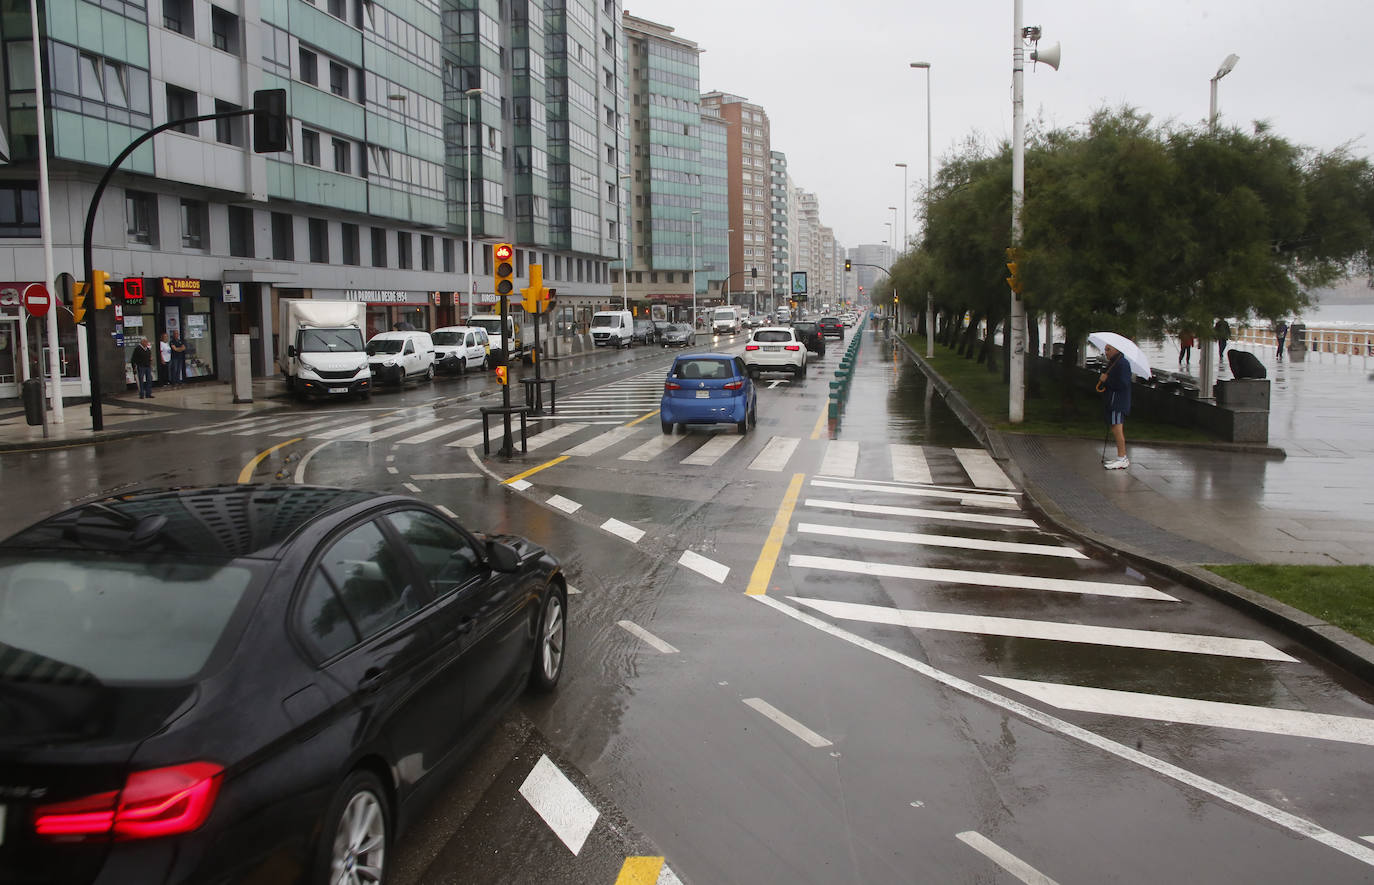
(775, 453)
(909, 463)
(983, 579)
(841, 458)
(443, 430)
(545, 437)
(845, 531)
(952, 515)
(360, 432)
(984, 471)
(1137, 705)
(963, 490)
(261, 426)
(601, 441)
(560, 804)
(1001, 501)
(399, 429)
(222, 426)
(716, 571)
(473, 439)
(653, 448)
(715, 447)
(310, 426)
(1190, 643)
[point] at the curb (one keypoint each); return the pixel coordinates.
(1346, 651)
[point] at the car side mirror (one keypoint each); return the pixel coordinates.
(290, 350)
(502, 557)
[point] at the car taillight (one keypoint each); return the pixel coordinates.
(671, 385)
(751, 347)
(159, 802)
(734, 385)
(794, 347)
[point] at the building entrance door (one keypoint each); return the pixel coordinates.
(9, 357)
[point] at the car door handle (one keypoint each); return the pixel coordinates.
(372, 680)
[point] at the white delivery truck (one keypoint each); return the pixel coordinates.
(727, 320)
(320, 347)
(491, 322)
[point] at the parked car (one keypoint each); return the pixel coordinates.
(252, 683)
(676, 335)
(396, 356)
(831, 326)
(708, 388)
(810, 335)
(613, 328)
(644, 332)
(459, 348)
(775, 349)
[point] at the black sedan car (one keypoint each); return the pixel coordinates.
(810, 335)
(251, 683)
(831, 326)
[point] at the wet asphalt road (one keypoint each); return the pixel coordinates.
(924, 685)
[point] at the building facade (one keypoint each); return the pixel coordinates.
(749, 175)
(783, 228)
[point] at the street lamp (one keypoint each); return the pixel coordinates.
(1206, 374)
(905, 213)
(624, 248)
(467, 111)
(696, 213)
(729, 259)
(1227, 66)
(930, 185)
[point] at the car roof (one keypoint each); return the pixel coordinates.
(772, 329)
(218, 521)
(397, 334)
(459, 329)
(703, 356)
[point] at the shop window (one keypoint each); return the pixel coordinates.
(349, 242)
(319, 240)
(426, 253)
(283, 237)
(224, 30)
(181, 103)
(177, 16)
(19, 215)
(240, 232)
(378, 247)
(140, 213)
(228, 130)
(194, 221)
(404, 259)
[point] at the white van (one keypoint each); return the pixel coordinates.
(459, 348)
(726, 320)
(396, 356)
(613, 328)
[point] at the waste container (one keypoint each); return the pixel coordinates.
(33, 401)
(1297, 337)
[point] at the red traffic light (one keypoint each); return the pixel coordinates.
(503, 251)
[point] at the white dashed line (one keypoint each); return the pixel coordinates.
(1004, 859)
(623, 530)
(434, 477)
(565, 504)
(573, 591)
(700, 564)
(560, 804)
(449, 513)
(644, 635)
(787, 722)
(412, 486)
(390, 458)
(520, 484)
(392, 470)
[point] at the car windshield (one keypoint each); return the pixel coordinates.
(599, 321)
(804, 327)
(447, 337)
(384, 345)
(493, 326)
(725, 315)
(131, 619)
(680, 327)
(772, 335)
(709, 369)
(330, 341)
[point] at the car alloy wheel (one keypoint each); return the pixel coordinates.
(357, 854)
(553, 632)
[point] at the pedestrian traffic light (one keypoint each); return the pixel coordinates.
(100, 289)
(1014, 265)
(78, 302)
(534, 292)
(501, 374)
(504, 253)
(847, 266)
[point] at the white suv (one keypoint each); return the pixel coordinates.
(775, 349)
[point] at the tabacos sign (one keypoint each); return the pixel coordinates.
(178, 287)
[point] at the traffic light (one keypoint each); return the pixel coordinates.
(100, 289)
(78, 302)
(501, 374)
(271, 126)
(1014, 265)
(847, 266)
(504, 253)
(534, 292)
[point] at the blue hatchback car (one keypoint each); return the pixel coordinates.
(708, 388)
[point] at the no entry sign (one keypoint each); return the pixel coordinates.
(37, 301)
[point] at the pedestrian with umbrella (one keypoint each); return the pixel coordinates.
(1124, 359)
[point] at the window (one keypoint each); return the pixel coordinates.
(447, 250)
(181, 103)
(228, 130)
(319, 240)
(19, 210)
(349, 237)
(343, 154)
(403, 256)
(224, 30)
(358, 590)
(193, 223)
(140, 211)
(338, 79)
(283, 237)
(240, 232)
(448, 557)
(378, 247)
(310, 63)
(338, 9)
(310, 147)
(177, 16)
(426, 253)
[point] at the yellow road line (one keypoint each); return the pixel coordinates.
(246, 474)
(519, 476)
(642, 418)
(768, 557)
(640, 871)
(820, 421)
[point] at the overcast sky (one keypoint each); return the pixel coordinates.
(845, 105)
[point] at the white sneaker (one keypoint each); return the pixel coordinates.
(1117, 464)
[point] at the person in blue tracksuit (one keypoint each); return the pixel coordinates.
(1115, 384)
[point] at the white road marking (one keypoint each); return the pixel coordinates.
(390, 458)
(841, 458)
(305, 459)
(775, 382)
(219, 426)
(651, 449)
(435, 477)
(844, 531)
(412, 486)
(710, 453)
(474, 439)
(1293, 723)
(601, 441)
(1001, 501)
(983, 579)
(775, 454)
(1368, 838)
(312, 426)
(573, 591)
(667, 877)
(709, 567)
(520, 484)
(444, 430)
(560, 804)
(565, 504)
(353, 430)
(1004, 859)
(645, 636)
(582, 419)
(909, 463)
(1278, 816)
(399, 429)
(787, 722)
(955, 516)
(623, 530)
(1088, 634)
(277, 422)
(982, 470)
(966, 490)
(449, 513)
(553, 434)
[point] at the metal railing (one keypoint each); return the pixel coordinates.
(1319, 342)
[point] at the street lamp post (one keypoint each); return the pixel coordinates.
(905, 214)
(1206, 373)
(467, 195)
(696, 213)
(729, 260)
(930, 184)
(624, 248)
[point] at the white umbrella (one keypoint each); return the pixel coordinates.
(1129, 349)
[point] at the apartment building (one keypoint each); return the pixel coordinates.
(783, 227)
(749, 174)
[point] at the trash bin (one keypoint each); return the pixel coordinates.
(1297, 337)
(33, 401)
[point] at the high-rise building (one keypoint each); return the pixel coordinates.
(807, 257)
(783, 227)
(749, 178)
(865, 256)
(713, 237)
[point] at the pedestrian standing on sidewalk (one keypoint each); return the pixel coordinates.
(1223, 333)
(1115, 385)
(164, 364)
(142, 361)
(1185, 350)
(178, 362)
(1280, 333)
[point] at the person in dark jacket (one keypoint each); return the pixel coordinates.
(1115, 384)
(142, 361)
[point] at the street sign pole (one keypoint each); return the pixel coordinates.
(38, 302)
